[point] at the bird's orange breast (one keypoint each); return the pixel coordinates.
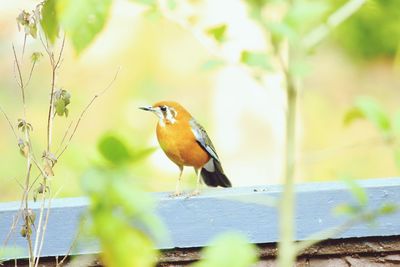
(180, 145)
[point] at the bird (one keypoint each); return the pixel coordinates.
(187, 144)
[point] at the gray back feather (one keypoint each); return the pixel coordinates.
(203, 139)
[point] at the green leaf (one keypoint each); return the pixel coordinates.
(212, 64)
(346, 209)
(280, 31)
(142, 153)
(62, 100)
(83, 20)
(172, 4)
(352, 115)
(357, 191)
(36, 56)
(304, 13)
(368, 108)
(117, 206)
(229, 249)
(114, 149)
(146, 2)
(299, 68)
(218, 32)
(60, 107)
(49, 20)
(7, 252)
(255, 59)
(388, 208)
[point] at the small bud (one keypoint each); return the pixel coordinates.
(23, 148)
(62, 100)
(23, 231)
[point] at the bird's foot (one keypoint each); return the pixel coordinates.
(176, 194)
(194, 193)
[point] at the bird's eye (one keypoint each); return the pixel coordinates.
(163, 108)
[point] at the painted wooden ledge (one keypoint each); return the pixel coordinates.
(193, 222)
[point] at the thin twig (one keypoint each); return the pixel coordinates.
(35, 180)
(59, 264)
(60, 54)
(9, 123)
(45, 225)
(23, 47)
(21, 83)
(51, 106)
(19, 183)
(14, 224)
(26, 218)
(39, 227)
(337, 18)
(46, 49)
(31, 72)
(85, 110)
(64, 137)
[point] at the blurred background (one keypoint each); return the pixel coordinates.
(171, 58)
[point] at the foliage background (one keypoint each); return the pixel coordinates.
(161, 60)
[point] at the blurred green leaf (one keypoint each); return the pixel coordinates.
(357, 191)
(83, 20)
(212, 64)
(172, 4)
(145, 2)
(255, 59)
(368, 108)
(60, 107)
(49, 20)
(372, 32)
(114, 149)
(118, 207)
(27, 21)
(352, 115)
(230, 249)
(8, 252)
(280, 31)
(93, 182)
(304, 14)
(299, 68)
(346, 209)
(36, 56)
(142, 153)
(218, 32)
(388, 208)
(257, 3)
(62, 98)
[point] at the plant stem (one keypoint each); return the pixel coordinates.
(286, 248)
(334, 20)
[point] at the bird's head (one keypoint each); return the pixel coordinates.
(168, 112)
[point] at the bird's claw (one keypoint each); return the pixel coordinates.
(194, 193)
(176, 194)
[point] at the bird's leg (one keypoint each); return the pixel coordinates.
(197, 190)
(178, 184)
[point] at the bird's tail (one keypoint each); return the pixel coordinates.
(216, 177)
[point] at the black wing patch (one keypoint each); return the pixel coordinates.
(203, 139)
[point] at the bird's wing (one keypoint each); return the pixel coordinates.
(203, 139)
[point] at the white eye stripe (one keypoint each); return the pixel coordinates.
(169, 116)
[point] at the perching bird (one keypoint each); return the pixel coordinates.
(186, 143)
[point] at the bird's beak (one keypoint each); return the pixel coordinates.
(148, 108)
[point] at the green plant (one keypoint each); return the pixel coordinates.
(367, 108)
(122, 215)
(42, 25)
